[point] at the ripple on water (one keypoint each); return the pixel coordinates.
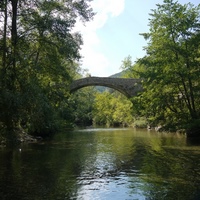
(107, 186)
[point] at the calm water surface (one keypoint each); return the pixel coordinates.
(103, 164)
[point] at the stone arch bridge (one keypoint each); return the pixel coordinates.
(127, 86)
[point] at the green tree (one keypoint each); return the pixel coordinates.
(130, 69)
(112, 109)
(123, 110)
(38, 61)
(82, 104)
(171, 79)
(102, 109)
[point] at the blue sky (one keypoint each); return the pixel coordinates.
(113, 34)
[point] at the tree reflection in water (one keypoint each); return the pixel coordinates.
(103, 164)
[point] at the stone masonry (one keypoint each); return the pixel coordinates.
(127, 86)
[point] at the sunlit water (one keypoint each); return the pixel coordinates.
(103, 164)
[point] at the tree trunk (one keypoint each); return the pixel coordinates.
(14, 38)
(4, 40)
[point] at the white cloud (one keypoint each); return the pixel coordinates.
(93, 60)
(96, 62)
(113, 7)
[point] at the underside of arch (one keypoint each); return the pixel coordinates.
(128, 87)
(104, 85)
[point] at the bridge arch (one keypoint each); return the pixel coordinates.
(127, 86)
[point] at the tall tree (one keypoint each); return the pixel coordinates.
(171, 78)
(39, 58)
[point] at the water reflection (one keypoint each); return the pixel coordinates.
(103, 164)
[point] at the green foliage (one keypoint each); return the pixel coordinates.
(130, 69)
(170, 70)
(82, 103)
(38, 61)
(111, 109)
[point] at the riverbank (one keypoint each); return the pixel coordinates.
(18, 137)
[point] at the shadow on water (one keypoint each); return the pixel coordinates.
(193, 141)
(103, 164)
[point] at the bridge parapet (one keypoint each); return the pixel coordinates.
(127, 86)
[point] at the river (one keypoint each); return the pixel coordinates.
(103, 164)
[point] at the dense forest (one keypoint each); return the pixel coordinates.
(39, 58)
(171, 68)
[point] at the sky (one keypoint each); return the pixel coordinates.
(113, 34)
